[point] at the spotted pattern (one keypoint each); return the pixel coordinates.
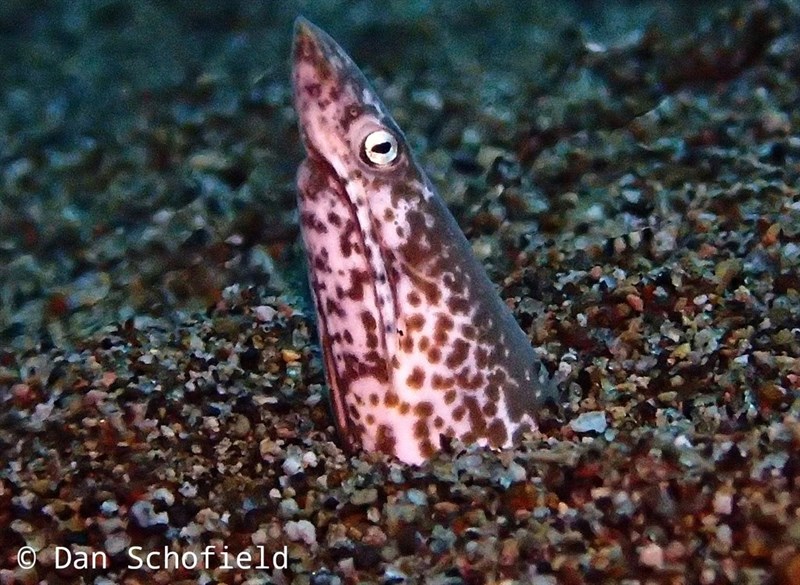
(417, 342)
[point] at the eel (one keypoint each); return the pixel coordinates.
(418, 346)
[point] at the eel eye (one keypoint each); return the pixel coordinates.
(380, 148)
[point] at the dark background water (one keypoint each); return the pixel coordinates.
(77, 64)
(136, 138)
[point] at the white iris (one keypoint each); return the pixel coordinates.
(380, 148)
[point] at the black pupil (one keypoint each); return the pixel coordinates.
(382, 148)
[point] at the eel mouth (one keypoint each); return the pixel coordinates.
(317, 61)
(305, 32)
(316, 81)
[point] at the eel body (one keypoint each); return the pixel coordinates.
(417, 342)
